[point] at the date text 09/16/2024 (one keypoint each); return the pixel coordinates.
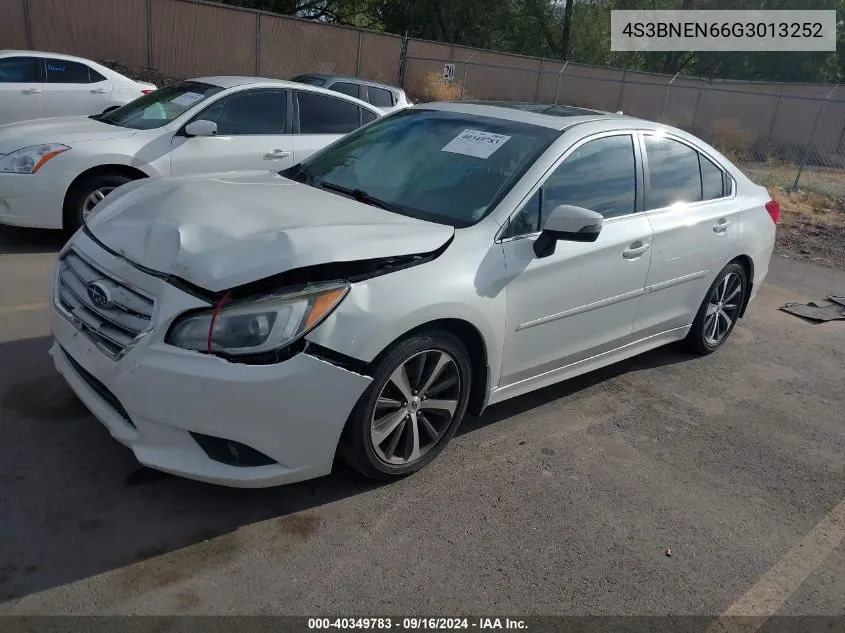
(416, 624)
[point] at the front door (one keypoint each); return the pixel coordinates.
(582, 300)
(21, 89)
(252, 134)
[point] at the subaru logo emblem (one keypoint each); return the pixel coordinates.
(99, 294)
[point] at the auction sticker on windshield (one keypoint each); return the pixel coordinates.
(475, 143)
(187, 99)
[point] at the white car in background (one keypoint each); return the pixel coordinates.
(35, 85)
(53, 172)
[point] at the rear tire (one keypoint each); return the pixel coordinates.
(719, 311)
(411, 410)
(86, 194)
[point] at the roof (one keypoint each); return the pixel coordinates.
(557, 117)
(357, 80)
(73, 58)
(230, 81)
(226, 82)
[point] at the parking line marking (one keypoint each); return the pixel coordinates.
(771, 591)
(24, 307)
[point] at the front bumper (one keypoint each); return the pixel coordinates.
(155, 396)
(32, 200)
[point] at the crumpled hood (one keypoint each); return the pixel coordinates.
(67, 129)
(221, 231)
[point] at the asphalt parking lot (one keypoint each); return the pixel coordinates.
(559, 502)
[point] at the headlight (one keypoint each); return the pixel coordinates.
(30, 159)
(258, 325)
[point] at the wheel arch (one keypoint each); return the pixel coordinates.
(109, 168)
(748, 264)
(473, 340)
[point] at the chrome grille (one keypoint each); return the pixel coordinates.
(110, 312)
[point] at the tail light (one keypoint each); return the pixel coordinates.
(146, 91)
(774, 210)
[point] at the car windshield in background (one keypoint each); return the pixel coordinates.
(313, 81)
(434, 165)
(161, 106)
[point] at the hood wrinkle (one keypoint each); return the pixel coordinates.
(222, 231)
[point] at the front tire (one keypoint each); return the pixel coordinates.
(87, 194)
(412, 409)
(719, 312)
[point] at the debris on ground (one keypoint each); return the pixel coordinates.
(140, 73)
(818, 311)
(668, 552)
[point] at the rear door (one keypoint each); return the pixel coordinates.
(322, 119)
(21, 89)
(690, 205)
(73, 88)
(253, 133)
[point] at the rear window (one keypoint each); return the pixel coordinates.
(311, 81)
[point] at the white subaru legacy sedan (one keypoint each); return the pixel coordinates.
(243, 329)
(53, 172)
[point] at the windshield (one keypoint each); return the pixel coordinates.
(160, 107)
(435, 165)
(305, 79)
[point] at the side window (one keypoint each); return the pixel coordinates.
(712, 179)
(527, 221)
(248, 112)
(94, 77)
(319, 114)
(600, 175)
(60, 71)
(379, 97)
(20, 70)
(346, 88)
(674, 173)
(367, 116)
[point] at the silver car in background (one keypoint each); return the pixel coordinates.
(243, 329)
(385, 97)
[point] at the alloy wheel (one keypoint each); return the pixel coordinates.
(93, 199)
(416, 407)
(722, 308)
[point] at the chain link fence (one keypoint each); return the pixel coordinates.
(783, 135)
(779, 138)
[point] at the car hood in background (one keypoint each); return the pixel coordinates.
(221, 231)
(68, 129)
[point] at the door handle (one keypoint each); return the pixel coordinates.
(722, 226)
(98, 91)
(635, 250)
(31, 91)
(277, 154)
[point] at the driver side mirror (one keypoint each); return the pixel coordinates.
(201, 128)
(568, 223)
